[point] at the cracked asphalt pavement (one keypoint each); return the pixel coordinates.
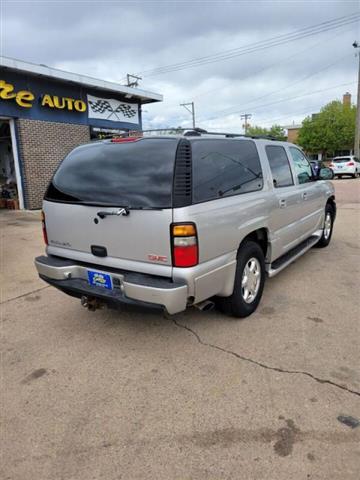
(140, 395)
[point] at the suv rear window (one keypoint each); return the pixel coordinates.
(224, 167)
(135, 174)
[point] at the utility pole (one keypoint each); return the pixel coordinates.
(192, 111)
(356, 45)
(133, 80)
(246, 117)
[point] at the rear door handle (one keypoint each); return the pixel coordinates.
(304, 195)
(282, 203)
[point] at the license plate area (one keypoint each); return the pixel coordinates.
(99, 279)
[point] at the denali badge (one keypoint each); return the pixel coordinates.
(157, 258)
(60, 244)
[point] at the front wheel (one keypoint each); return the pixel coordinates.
(328, 227)
(249, 282)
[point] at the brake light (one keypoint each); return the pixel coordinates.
(124, 139)
(331, 165)
(350, 164)
(43, 224)
(185, 251)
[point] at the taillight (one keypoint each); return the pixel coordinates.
(44, 228)
(331, 165)
(350, 164)
(185, 250)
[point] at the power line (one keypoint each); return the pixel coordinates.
(254, 47)
(242, 105)
(282, 100)
(292, 114)
(237, 50)
(282, 60)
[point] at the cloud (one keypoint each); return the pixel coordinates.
(109, 39)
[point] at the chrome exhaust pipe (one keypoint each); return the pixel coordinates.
(205, 306)
(84, 301)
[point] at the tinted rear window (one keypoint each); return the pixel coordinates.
(136, 174)
(341, 160)
(280, 167)
(224, 167)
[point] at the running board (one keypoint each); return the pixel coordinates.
(279, 264)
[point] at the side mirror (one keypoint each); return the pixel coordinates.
(325, 174)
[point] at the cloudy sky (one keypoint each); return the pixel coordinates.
(277, 81)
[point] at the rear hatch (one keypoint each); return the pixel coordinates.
(116, 195)
(341, 163)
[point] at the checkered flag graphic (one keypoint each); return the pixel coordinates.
(126, 110)
(100, 106)
(112, 109)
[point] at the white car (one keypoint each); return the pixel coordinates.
(347, 165)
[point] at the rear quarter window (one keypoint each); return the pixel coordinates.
(223, 168)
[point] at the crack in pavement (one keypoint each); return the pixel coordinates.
(24, 294)
(263, 365)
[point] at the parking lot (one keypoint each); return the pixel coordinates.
(140, 395)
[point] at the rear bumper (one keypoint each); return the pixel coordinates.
(344, 171)
(129, 287)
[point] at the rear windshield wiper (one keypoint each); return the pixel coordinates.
(231, 189)
(236, 187)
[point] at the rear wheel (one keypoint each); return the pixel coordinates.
(249, 282)
(328, 227)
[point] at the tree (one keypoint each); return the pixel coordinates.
(330, 130)
(256, 130)
(276, 131)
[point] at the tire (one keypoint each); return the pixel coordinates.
(327, 232)
(239, 304)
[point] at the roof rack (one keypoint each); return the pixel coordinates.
(234, 135)
(188, 132)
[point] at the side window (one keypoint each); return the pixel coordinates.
(224, 167)
(280, 167)
(302, 167)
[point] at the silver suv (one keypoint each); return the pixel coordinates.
(175, 221)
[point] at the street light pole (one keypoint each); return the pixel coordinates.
(357, 124)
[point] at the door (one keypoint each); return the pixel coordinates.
(311, 206)
(285, 218)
